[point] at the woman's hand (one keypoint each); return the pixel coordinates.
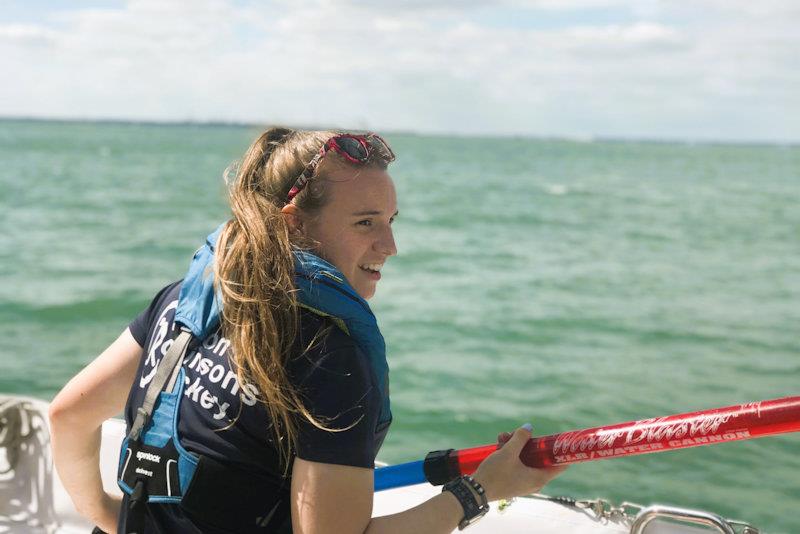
(503, 475)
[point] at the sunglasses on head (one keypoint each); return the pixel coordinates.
(357, 149)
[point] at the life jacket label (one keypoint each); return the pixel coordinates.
(158, 464)
(141, 455)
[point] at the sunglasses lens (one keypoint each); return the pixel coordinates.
(353, 148)
(382, 146)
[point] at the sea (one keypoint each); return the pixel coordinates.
(565, 283)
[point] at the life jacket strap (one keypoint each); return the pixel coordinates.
(171, 362)
(134, 519)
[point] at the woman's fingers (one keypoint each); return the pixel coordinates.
(502, 438)
(520, 437)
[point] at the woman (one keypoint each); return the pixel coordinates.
(282, 389)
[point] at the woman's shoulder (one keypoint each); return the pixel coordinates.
(338, 386)
(322, 330)
(323, 346)
(165, 296)
(142, 323)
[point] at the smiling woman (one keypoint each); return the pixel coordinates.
(270, 342)
(354, 232)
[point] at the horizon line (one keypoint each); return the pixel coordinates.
(534, 137)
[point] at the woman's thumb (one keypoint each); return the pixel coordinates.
(519, 438)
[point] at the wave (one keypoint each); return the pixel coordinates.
(90, 310)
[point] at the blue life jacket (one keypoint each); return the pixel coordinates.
(323, 289)
(153, 465)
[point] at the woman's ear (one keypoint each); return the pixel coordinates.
(293, 216)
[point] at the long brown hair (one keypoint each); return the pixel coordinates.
(254, 272)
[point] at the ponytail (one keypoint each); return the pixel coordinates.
(254, 273)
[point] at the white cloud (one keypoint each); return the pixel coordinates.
(637, 35)
(26, 35)
(678, 71)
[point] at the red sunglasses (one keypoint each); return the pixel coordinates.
(356, 149)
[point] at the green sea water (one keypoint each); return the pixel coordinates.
(569, 284)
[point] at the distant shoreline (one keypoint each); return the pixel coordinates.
(252, 125)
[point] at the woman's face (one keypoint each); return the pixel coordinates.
(354, 228)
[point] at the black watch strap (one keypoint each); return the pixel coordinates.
(478, 489)
(462, 487)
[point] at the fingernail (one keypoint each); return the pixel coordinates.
(528, 427)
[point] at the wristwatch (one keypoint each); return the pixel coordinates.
(463, 487)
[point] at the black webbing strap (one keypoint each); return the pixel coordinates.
(172, 360)
(134, 518)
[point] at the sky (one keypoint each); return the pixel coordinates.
(696, 70)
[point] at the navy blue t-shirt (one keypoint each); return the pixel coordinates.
(223, 419)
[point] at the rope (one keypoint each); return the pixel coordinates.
(11, 424)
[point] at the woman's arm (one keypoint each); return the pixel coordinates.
(77, 413)
(337, 498)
